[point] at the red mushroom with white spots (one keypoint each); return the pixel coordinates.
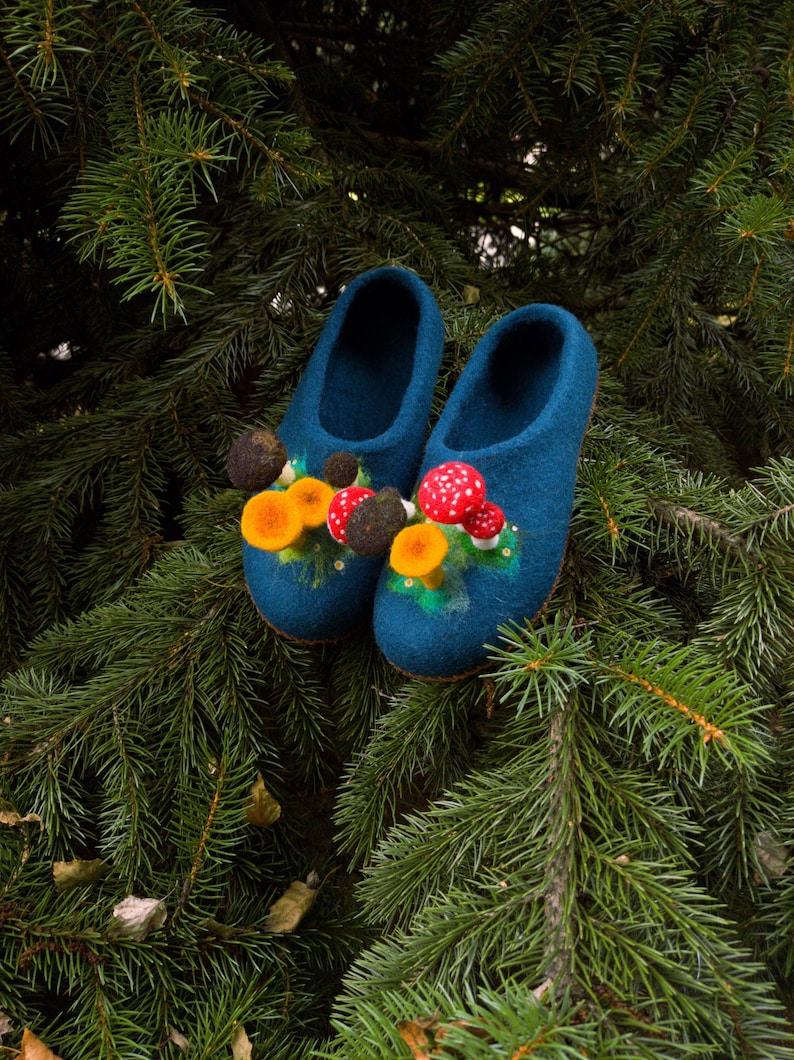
(485, 525)
(342, 504)
(451, 492)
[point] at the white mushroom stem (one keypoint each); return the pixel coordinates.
(410, 508)
(287, 476)
(485, 543)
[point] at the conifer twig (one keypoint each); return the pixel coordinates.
(704, 528)
(30, 102)
(558, 944)
(187, 886)
(710, 731)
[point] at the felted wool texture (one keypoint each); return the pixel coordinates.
(288, 600)
(367, 388)
(368, 385)
(517, 414)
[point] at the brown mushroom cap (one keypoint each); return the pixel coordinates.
(342, 505)
(340, 469)
(374, 523)
(450, 492)
(255, 460)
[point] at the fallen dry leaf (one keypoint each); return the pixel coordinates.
(5, 1025)
(14, 819)
(470, 1028)
(773, 856)
(179, 1040)
(428, 1046)
(287, 911)
(77, 873)
(242, 1049)
(221, 931)
(134, 918)
(416, 1038)
(35, 1049)
(262, 809)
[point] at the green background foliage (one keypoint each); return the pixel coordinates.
(584, 850)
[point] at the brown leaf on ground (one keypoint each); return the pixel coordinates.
(77, 873)
(424, 1035)
(470, 1028)
(134, 918)
(178, 1039)
(262, 809)
(773, 856)
(242, 1049)
(14, 819)
(416, 1038)
(287, 911)
(35, 1049)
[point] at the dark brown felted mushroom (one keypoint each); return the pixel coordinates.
(409, 506)
(340, 469)
(256, 459)
(375, 522)
(341, 507)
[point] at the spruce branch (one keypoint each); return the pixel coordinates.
(23, 90)
(643, 153)
(130, 786)
(704, 529)
(275, 159)
(659, 298)
(559, 923)
(711, 732)
(219, 771)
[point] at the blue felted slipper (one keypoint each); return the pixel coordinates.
(494, 499)
(356, 423)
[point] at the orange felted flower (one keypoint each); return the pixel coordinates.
(272, 521)
(312, 497)
(417, 552)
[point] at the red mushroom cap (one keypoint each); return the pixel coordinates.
(485, 523)
(451, 491)
(342, 504)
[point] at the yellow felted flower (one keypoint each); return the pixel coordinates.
(312, 497)
(272, 521)
(417, 552)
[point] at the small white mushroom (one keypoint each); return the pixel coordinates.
(287, 476)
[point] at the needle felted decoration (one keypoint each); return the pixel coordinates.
(451, 492)
(356, 422)
(417, 552)
(372, 526)
(342, 507)
(272, 521)
(256, 459)
(485, 525)
(341, 469)
(312, 499)
(496, 485)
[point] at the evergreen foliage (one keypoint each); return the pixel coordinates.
(585, 850)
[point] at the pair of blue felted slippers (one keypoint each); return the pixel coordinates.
(354, 514)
